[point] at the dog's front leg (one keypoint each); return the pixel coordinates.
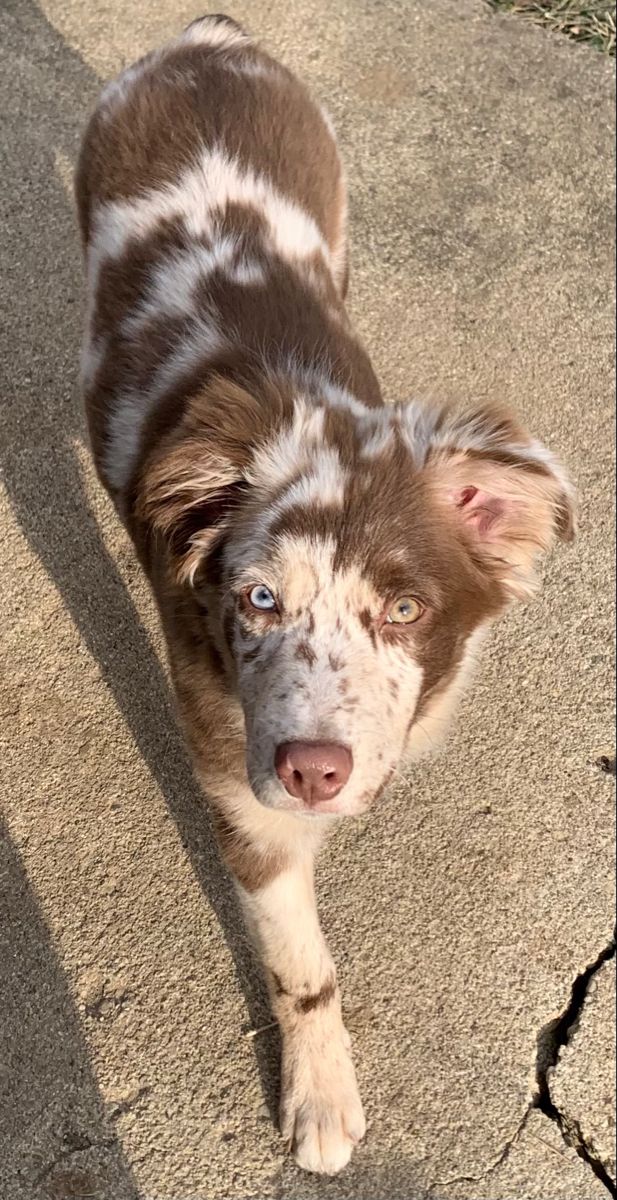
(321, 1111)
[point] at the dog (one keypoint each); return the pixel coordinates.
(325, 565)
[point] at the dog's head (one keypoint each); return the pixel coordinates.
(348, 558)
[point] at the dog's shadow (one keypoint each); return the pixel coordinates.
(42, 423)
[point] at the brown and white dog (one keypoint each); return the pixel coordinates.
(324, 565)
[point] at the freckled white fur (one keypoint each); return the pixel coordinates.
(342, 695)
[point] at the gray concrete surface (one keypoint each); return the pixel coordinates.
(461, 911)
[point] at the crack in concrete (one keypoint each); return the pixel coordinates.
(551, 1038)
(501, 1157)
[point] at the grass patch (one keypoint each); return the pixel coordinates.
(592, 22)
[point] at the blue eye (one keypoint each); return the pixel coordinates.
(261, 598)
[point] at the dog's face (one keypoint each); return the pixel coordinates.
(348, 560)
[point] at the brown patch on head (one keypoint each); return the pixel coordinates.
(365, 618)
(229, 629)
(335, 662)
(306, 653)
(252, 868)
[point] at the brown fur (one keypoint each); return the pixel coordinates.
(325, 995)
(134, 152)
(252, 869)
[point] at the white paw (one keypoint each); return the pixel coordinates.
(321, 1110)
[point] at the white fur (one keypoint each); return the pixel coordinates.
(209, 32)
(248, 273)
(323, 483)
(93, 353)
(276, 461)
(321, 1110)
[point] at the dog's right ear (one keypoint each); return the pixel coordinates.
(195, 480)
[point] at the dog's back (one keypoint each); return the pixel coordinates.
(212, 207)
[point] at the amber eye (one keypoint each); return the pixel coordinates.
(404, 611)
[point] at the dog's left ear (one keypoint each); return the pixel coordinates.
(195, 480)
(507, 494)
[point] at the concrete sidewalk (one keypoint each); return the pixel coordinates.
(479, 154)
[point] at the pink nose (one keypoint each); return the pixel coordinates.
(313, 771)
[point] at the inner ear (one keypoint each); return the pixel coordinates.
(509, 503)
(479, 509)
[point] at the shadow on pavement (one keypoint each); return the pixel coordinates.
(52, 90)
(50, 1107)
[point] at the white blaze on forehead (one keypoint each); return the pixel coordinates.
(296, 457)
(322, 484)
(300, 570)
(288, 451)
(201, 194)
(296, 569)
